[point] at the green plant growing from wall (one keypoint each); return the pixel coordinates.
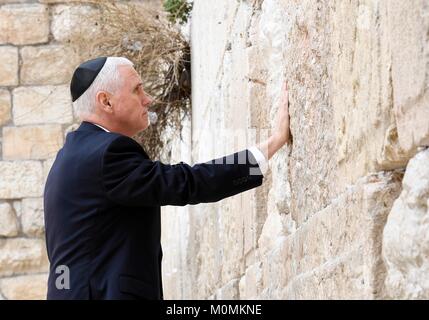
(178, 10)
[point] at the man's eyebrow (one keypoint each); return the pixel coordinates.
(138, 85)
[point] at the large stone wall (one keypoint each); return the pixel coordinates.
(35, 115)
(358, 78)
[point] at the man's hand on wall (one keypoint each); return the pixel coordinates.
(281, 129)
(281, 132)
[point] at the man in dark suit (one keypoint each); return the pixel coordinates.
(103, 194)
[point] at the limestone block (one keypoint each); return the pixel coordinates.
(235, 79)
(5, 106)
(231, 222)
(50, 64)
(296, 49)
(32, 217)
(405, 237)
(17, 206)
(362, 90)
(64, 1)
(408, 26)
(274, 227)
(24, 24)
(21, 255)
(20, 179)
(75, 22)
(8, 222)
(355, 219)
(9, 66)
(13, 1)
(28, 287)
(37, 105)
(174, 248)
(210, 43)
(250, 284)
(204, 252)
(84, 1)
(254, 219)
(343, 278)
(279, 197)
(31, 142)
(256, 75)
(278, 267)
(229, 291)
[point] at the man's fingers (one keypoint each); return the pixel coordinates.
(285, 94)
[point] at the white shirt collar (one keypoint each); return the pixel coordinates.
(100, 127)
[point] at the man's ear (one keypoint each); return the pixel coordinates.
(103, 100)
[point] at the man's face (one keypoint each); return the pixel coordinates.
(131, 103)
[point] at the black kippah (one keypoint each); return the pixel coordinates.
(85, 75)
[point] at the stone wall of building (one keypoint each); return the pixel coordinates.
(335, 217)
(35, 115)
(343, 211)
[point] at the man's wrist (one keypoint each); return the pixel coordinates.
(274, 144)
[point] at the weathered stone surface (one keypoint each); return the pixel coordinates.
(9, 66)
(64, 1)
(50, 64)
(250, 285)
(362, 90)
(31, 142)
(297, 51)
(20, 179)
(229, 292)
(314, 229)
(28, 287)
(8, 222)
(13, 1)
(73, 22)
(24, 24)
(32, 218)
(39, 105)
(19, 255)
(342, 278)
(352, 223)
(215, 30)
(174, 247)
(408, 28)
(208, 266)
(5, 106)
(405, 238)
(17, 206)
(176, 277)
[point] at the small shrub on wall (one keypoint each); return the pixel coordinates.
(178, 10)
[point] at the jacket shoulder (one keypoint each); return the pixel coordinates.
(121, 144)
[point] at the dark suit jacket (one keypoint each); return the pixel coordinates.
(102, 212)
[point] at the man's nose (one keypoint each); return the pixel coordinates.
(148, 100)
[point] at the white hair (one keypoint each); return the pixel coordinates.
(108, 79)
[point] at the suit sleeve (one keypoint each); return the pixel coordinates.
(130, 178)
